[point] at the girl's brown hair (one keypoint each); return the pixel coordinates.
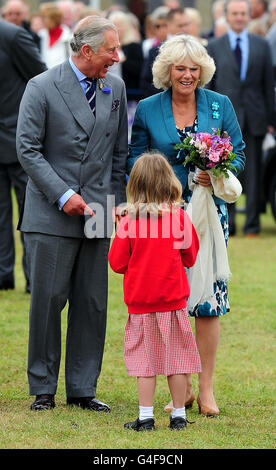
(152, 185)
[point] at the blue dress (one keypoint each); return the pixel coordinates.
(219, 304)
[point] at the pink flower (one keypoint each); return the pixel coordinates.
(214, 157)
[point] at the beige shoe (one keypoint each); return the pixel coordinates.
(189, 403)
(204, 410)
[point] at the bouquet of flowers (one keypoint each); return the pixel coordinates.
(209, 151)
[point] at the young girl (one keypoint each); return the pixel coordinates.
(153, 244)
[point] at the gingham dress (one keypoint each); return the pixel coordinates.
(160, 343)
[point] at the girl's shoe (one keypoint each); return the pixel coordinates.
(204, 410)
(189, 403)
(144, 425)
(178, 423)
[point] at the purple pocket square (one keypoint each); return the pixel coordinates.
(115, 105)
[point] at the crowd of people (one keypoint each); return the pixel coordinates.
(52, 24)
(76, 133)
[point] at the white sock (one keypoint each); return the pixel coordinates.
(178, 413)
(145, 412)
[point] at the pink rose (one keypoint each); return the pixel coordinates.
(214, 157)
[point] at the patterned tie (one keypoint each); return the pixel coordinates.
(91, 93)
(238, 54)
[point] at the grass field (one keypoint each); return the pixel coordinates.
(244, 375)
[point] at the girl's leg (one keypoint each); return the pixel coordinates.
(189, 388)
(207, 338)
(177, 385)
(146, 388)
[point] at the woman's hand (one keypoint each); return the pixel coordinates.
(203, 178)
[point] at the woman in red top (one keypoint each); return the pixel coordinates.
(54, 37)
(154, 243)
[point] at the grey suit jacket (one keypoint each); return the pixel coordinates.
(19, 61)
(252, 99)
(61, 145)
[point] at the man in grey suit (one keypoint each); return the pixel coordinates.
(74, 150)
(244, 73)
(20, 61)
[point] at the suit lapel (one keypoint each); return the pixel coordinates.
(226, 49)
(72, 93)
(167, 114)
(103, 107)
(103, 110)
(250, 53)
(202, 106)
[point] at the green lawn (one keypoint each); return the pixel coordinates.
(244, 375)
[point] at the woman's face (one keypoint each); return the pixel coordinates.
(120, 27)
(184, 77)
(49, 22)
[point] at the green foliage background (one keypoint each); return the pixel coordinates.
(244, 376)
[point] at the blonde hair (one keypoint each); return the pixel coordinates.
(51, 11)
(194, 16)
(173, 52)
(152, 186)
(123, 20)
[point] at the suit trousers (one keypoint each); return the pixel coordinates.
(251, 182)
(73, 269)
(11, 175)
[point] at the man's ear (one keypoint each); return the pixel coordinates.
(87, 52)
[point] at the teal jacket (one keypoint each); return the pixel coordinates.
(154, 129)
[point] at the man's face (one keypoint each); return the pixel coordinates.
(106, 55)
(237, 15)
(256, 8)
(14, 12)
(180, 23)
(272, 12)
(161, 29)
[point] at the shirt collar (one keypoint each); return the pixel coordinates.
(79, 74)
(233, 36)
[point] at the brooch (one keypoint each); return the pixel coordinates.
(103, 88)
(215, 109)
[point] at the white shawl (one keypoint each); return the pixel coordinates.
(212, 260)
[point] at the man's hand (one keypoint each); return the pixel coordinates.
(77, 206)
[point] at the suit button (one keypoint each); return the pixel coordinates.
(107, 134)
(77, 138)
(101, 183)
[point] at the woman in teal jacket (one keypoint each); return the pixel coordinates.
(181, 69)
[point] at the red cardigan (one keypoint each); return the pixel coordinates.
(152, 264)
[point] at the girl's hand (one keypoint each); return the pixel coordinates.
(203, 178)
(117, 214)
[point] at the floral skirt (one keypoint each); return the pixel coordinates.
(218, 304)
(160, 343)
